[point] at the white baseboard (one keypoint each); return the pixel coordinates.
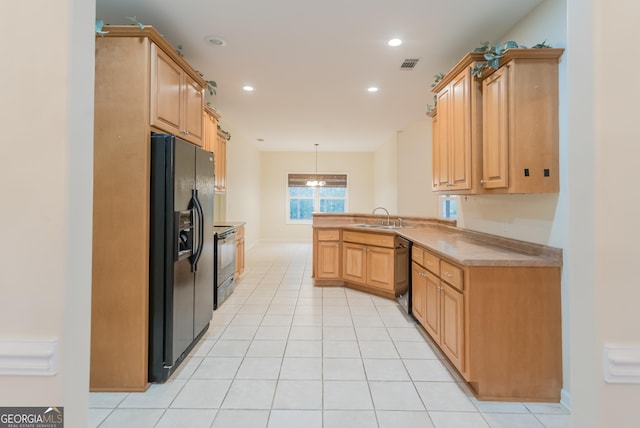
(29, 357)
(565, 398)
(286, 241)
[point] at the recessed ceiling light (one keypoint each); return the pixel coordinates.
(215, 41)
(248, 88)
(394, 42)
(372, 89)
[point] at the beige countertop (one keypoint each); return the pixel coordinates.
(462, 246)
(468, 250)
(231, 223)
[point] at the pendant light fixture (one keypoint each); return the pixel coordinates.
(315, 182)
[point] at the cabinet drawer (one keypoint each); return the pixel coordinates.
(328, 235)
(417, 255)
(451, 274)
(376, 239)
(432, 262)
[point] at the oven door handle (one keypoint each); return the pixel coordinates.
(200, 230)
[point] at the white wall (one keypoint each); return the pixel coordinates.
(385, 175)
(46, 171)
(243, 200)
(614, 187)
(276, 166)
(579, 252)
(415, 197)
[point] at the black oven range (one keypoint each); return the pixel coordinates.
(225, 263)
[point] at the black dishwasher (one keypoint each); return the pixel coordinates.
(403, 272)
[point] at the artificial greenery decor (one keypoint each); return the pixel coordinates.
(212, 86)
(436, 78)
(134, 21)
(226, 134)
(99, 25)
(492, 54)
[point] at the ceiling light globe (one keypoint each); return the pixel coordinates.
(394, 42)
(248, 88)
(372, 89)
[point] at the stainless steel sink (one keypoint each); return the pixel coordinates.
(380, 226)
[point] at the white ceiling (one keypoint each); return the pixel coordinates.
(311, 62)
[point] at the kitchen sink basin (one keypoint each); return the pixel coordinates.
(380, 226)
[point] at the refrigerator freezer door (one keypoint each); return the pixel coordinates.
(180, 295)
(204, 279)
(183, 294)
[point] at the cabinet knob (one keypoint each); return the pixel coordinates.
(448, 274)
(482, 181)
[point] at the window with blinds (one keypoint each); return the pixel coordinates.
(331, 180)
(303, 200)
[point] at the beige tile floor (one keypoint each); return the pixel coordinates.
(281, 353)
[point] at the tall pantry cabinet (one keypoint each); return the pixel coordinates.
(141, 85)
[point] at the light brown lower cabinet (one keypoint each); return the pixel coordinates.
(368, 261)
(360, 260)
(327, 257)
(499, 326)
(440, 310)
(239, 251)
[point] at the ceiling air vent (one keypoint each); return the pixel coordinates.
(409, 63)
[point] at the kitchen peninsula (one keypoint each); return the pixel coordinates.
(491, 304)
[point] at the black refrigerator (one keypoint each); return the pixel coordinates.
(181, 271)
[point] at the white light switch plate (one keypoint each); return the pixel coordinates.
(622, 363)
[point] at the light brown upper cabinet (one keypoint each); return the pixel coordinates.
(457, 130)
(520, 118)
(220, 150)
(498, 133)
(210, 129)
(215, 140)
(177, 100)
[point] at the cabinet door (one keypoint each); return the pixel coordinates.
(435, 153)
(380, 268)
(328, 260)
(166, 100)
(432, 306)
(441, 145)
(220, 149)
(193, 107)
(209, 132)
(418, 292)
(223, 164)
(239, 251)
(495, 133)
(354, 261)
(460, 129)
(452, 331)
